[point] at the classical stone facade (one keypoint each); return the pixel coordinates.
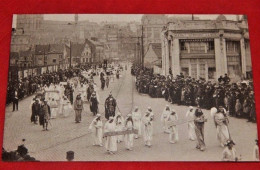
(207, 48)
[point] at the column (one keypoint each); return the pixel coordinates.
(220, 57)
(167, 64)
(243, 56)
(175, 65)
(163, 54)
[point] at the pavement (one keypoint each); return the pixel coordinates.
(65, 135)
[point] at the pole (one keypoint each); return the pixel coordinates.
(70, 53)
(142, 43)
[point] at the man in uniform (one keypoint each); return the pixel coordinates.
(110, 106)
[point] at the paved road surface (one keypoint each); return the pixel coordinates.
(65, 134)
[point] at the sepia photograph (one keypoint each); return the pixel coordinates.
(130, 87)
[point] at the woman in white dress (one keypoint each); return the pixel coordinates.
(110, 141)
(54, 108)
(164, 118)
(97, 131)
(148, 128)
(129, 138)
(221, 122)
(174, 136)
(66, 107)
(137, 118)
(191, 126)
(119, 121)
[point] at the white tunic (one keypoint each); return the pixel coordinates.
(97, 132)
(111, 141)
(191, 126)
(137, 117)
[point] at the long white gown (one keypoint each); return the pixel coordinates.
(119, 126)
(148, 130)
(222, 129)
(164, 119)
(137, 118)
(129, 138)
(66, 108)
(97, 131)
(110, 141)
(174, 136)
(54, 109)
(191, 126)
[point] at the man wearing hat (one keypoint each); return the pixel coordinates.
(45, 113)
(229, 153)
(94, 103)
(110, 141)
(78, 107)
(97, 132)
(35, 111)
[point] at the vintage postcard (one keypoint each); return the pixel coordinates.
(130, 87)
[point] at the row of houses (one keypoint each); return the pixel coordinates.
(48, 58)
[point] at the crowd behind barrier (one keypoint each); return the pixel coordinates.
(236, 98)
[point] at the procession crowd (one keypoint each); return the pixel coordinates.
(236, 98)
(56, 99)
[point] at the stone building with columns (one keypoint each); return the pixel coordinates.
(207, 48)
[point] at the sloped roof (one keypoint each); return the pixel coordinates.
(77, 49)
(41, 49)
(56, 48)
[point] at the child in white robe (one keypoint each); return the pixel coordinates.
(191, 126)
(129, 138)
(148, 128)
(174, 136)
(110, 141)
(164, 117)
(54, 108)
(119, 121)
(97, 131)
(137, 118)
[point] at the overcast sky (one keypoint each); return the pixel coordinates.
(112, 17)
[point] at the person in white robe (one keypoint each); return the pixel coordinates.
(129, 138)
(165, 114)
(66, 107)
(56, 95)
(110, 141)
(221, 122)
(97, 131)
(54, 108)
(137, 118)
(148, 128)
(119, 120)
(191, 126)
(256, 151)
(229, 153)
(174, 136)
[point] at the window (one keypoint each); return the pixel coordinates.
(54, 60)
(184, 46)
(233, 46)
(210, 46)
(197, 47)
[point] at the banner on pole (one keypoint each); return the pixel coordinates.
(124, 132)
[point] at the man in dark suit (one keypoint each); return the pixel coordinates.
(15, 100)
